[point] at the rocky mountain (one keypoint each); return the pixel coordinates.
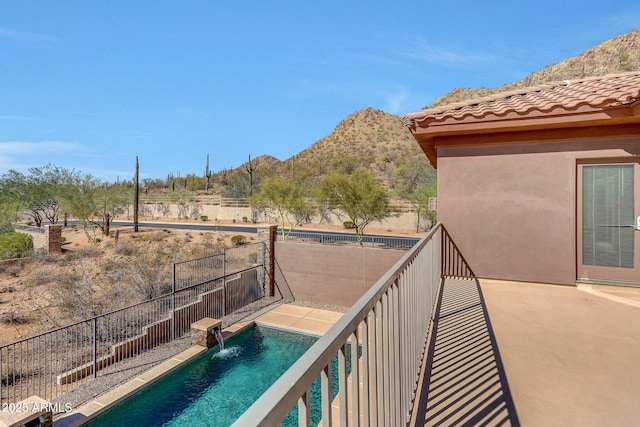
(618, 54)
(379, 141)
(368, 138)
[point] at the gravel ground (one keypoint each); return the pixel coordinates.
(132, 367)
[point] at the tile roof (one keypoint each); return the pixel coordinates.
(557, 97)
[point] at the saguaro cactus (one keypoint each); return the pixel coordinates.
(250, 170)
(207, 173)
(136, 195)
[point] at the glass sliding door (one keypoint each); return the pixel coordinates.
(608, 208)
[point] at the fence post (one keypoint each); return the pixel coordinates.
(173, 301)
(224, 282)
(95, 347)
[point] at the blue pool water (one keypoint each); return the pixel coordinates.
(215, 389)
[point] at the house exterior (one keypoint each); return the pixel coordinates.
(542, 184)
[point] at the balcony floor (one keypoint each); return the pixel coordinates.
(511, 353)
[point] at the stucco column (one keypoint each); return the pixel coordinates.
(267, 257)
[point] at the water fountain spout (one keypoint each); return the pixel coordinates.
(218, 333)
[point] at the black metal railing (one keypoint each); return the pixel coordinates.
(383, 242)
(55, 362)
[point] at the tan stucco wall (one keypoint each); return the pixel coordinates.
(325, 274)
(511, 209)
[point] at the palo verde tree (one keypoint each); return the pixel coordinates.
(94, 203)
(8, 212)
(36, 193)
(417, 183)
(421, 200)
(359, 196)
(286, 198)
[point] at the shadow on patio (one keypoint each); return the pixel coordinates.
(465, 382)
(570, 357)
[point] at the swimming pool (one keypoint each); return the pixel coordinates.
(216, 388)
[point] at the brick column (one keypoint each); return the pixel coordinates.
(53, 238)
(267, 234)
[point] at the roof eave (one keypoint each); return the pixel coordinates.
(524, 128)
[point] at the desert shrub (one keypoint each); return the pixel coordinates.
(208, 239)
(14, 319)
(153, 236)
(41, 275)
(15, 245)
(89, 252)
(204, 217)
(76, 293)
(150, 271)
(12, 268)
(238, 240)
(11, 374)
(348, 224)
(53, 259)
(245, 219)
(126, 248)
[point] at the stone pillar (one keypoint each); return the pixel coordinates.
(203, 332)
(267, 234)
(53, 238)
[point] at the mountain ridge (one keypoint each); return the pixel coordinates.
(379, 141)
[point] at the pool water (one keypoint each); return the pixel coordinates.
(216, 388)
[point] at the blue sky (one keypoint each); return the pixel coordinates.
(90, 85)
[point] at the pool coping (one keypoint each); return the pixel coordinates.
(288, 317)
(108, 400)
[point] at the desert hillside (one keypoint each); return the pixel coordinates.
(618, 54)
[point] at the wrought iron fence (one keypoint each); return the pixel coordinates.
(58, 361)
(384, 242)
(195, 271)
(399, 205)
(209, 199)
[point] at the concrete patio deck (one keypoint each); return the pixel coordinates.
(511, 353)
